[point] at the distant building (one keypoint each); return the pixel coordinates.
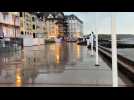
(34, 24)
(9, 25)
(40, 28)
(74, 26)
(54, 24)
(32, 28)
(27, 24)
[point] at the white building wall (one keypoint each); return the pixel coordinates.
(74, 27)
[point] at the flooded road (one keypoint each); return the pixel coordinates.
(65, 64)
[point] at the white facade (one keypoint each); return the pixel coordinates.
(40, 28)
(75, 26)
(40, 32)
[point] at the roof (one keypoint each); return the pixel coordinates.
(59, 22)
(46, 14)
(73, 17)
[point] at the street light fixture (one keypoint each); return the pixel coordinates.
(114, 51)
(96, 31)
(15, 14)
(15, 25)
(92, 44)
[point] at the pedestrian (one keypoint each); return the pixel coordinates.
(88, 42)
(83, 39)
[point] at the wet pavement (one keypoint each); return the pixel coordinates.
(55, 65)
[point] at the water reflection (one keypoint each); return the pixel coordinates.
(28, 64)
(18, 77)
(58, 53)
(78, 51)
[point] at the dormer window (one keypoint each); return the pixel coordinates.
(33, 19)
(50, 16)
(59, 15)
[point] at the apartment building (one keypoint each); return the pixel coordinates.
(33, 24)
(40, 28)
(74, 26)
(9, 25)
(26, 24)
(54, 24)
(32, 28)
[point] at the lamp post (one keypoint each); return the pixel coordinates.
(15, 16)
(114, 51)
(92, 44)
(96, 31)
(15, 25)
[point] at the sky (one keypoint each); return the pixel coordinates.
(124, 21)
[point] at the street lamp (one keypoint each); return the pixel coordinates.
(96, 31)
(15, 25)
(92, 44)
(114, 51)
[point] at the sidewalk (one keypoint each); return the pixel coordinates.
(79, 70)
(83, 73)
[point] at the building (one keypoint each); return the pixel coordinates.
(34, 20)
(32, 28)
(26, 24)
(54, 24)
(74, 26)
(40, 35)
(9, 25)
(40, 28)
(26, 28)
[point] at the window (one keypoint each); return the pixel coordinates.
(1, 35)
(33, 19)
(34, 35)
(21, 24)
(4, 16)
(21, 14)
(22, 33)
(33, 26)
(50, 16)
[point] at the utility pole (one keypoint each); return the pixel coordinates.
(114, 51)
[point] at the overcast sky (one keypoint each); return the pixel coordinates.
(124, 21)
